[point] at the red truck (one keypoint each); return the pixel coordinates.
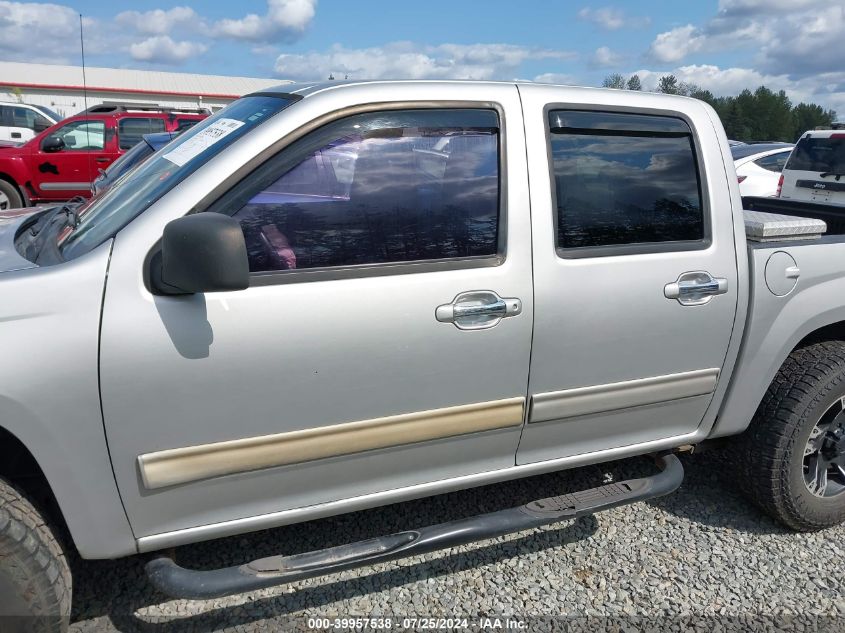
(63, 160)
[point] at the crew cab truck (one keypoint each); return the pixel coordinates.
(62, 161)
(332, 297)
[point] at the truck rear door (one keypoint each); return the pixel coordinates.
(635, 276)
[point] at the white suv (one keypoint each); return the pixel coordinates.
(19, 122)
(815, 170)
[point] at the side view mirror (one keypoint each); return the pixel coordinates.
(40, 127)
(53, 144)
(205, 252)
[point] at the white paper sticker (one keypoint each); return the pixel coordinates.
(202, 140)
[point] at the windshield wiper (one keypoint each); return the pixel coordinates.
(830, 173)
(50, 225)
(69, 209)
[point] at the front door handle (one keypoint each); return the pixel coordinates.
(477, 310)
(103, 159)
(695, 288)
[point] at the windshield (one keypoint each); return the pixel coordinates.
(105, 215)
(51, 113)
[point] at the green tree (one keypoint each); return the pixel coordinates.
(809, 116)
(668, 84)
(703, 95)
(761, 115)
(614, 81)
(771, 116)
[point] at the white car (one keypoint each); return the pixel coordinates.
(816, 170)
(758, 167)
(19, 122)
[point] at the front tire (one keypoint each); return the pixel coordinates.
(10, 198)
(35, 581)
(792, 458)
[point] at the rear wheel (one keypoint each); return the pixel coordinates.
(793, 455)
(9, 196)
(35, 582)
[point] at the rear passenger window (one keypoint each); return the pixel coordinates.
(130, 131)
(387, 187)
(819, 153)
(624, 180)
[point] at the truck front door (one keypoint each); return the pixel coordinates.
(65, 170)
(383, 342)
(635, 273)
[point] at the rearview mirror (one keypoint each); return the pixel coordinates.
(53, 144)
(205, 252)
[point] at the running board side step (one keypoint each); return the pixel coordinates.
(178, 582)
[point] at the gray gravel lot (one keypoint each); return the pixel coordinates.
(702, 557)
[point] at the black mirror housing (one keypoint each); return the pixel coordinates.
(52, 144)
(205, 252)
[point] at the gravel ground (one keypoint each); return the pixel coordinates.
(702, 557)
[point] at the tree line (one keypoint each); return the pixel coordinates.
(762, 115)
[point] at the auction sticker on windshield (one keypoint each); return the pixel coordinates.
(202, 140)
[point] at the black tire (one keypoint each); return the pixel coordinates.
(35, 581)
(771, 452)
(8, 192)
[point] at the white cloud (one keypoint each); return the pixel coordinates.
(162, 49)
(32, 31)
(612, 19)
(793, 37)
(285, 21)
(557, 78)
(603, 57)
(49, 33)
(158, 21)
(807, 43)
(674, 45)
(410, 61)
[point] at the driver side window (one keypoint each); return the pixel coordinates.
(378, 188)
(82, 135)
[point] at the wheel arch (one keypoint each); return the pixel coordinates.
(33, 457)
(19, 466)
(757, 369)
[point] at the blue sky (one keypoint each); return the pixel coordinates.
(722, 45)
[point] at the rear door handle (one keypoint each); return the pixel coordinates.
(478, 310)
(695, 288)
(102, 159)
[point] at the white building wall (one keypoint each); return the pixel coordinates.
(70, 102)
(60, 87)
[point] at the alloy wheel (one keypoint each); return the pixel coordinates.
(824, 454)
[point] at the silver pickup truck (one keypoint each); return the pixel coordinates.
(332, 297)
